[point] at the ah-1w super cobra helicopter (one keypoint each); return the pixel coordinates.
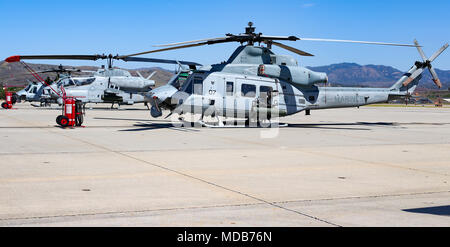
(256, 84)
(110, 85)
(106, 85)
(42, 93)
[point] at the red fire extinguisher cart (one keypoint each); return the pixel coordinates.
(9, 99)
(72, 113)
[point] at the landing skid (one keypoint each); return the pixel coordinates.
(236, 125)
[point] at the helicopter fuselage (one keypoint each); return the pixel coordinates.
(237, 95)
(103, 90)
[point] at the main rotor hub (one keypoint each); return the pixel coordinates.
(250, 29)
(425, 64)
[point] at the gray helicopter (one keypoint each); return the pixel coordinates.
(32, 92)
(106, 85)
(42, 93)
(256, 85)
(110, 85)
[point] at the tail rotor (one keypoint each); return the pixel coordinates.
(420, 66)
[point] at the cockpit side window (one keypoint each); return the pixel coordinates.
(68, 82)
(187, 87)
(230, 88)
(248, 90)
(265, 90)
(193, 85)
(198, 85)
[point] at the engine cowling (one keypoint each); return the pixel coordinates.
(292, 74)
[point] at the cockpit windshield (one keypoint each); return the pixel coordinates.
(178, 80)
(66, 82)
(82, 82)
(27, 88)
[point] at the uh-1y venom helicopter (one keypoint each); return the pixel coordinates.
(106, 85)
(255, 83)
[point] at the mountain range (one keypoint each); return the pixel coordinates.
(342, 74)
(352, 74)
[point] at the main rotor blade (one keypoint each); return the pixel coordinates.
(17, 58)
(231, 37)
(156, 60)
(435, 55)
(47, 71)
(292, 49)
(73, 70)
(189, 42)
(291, 38)
(359, 42)
(160, 50)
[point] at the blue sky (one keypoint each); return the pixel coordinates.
(123, 27)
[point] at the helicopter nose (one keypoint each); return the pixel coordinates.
(162, 93)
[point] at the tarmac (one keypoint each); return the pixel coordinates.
(372, 166)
